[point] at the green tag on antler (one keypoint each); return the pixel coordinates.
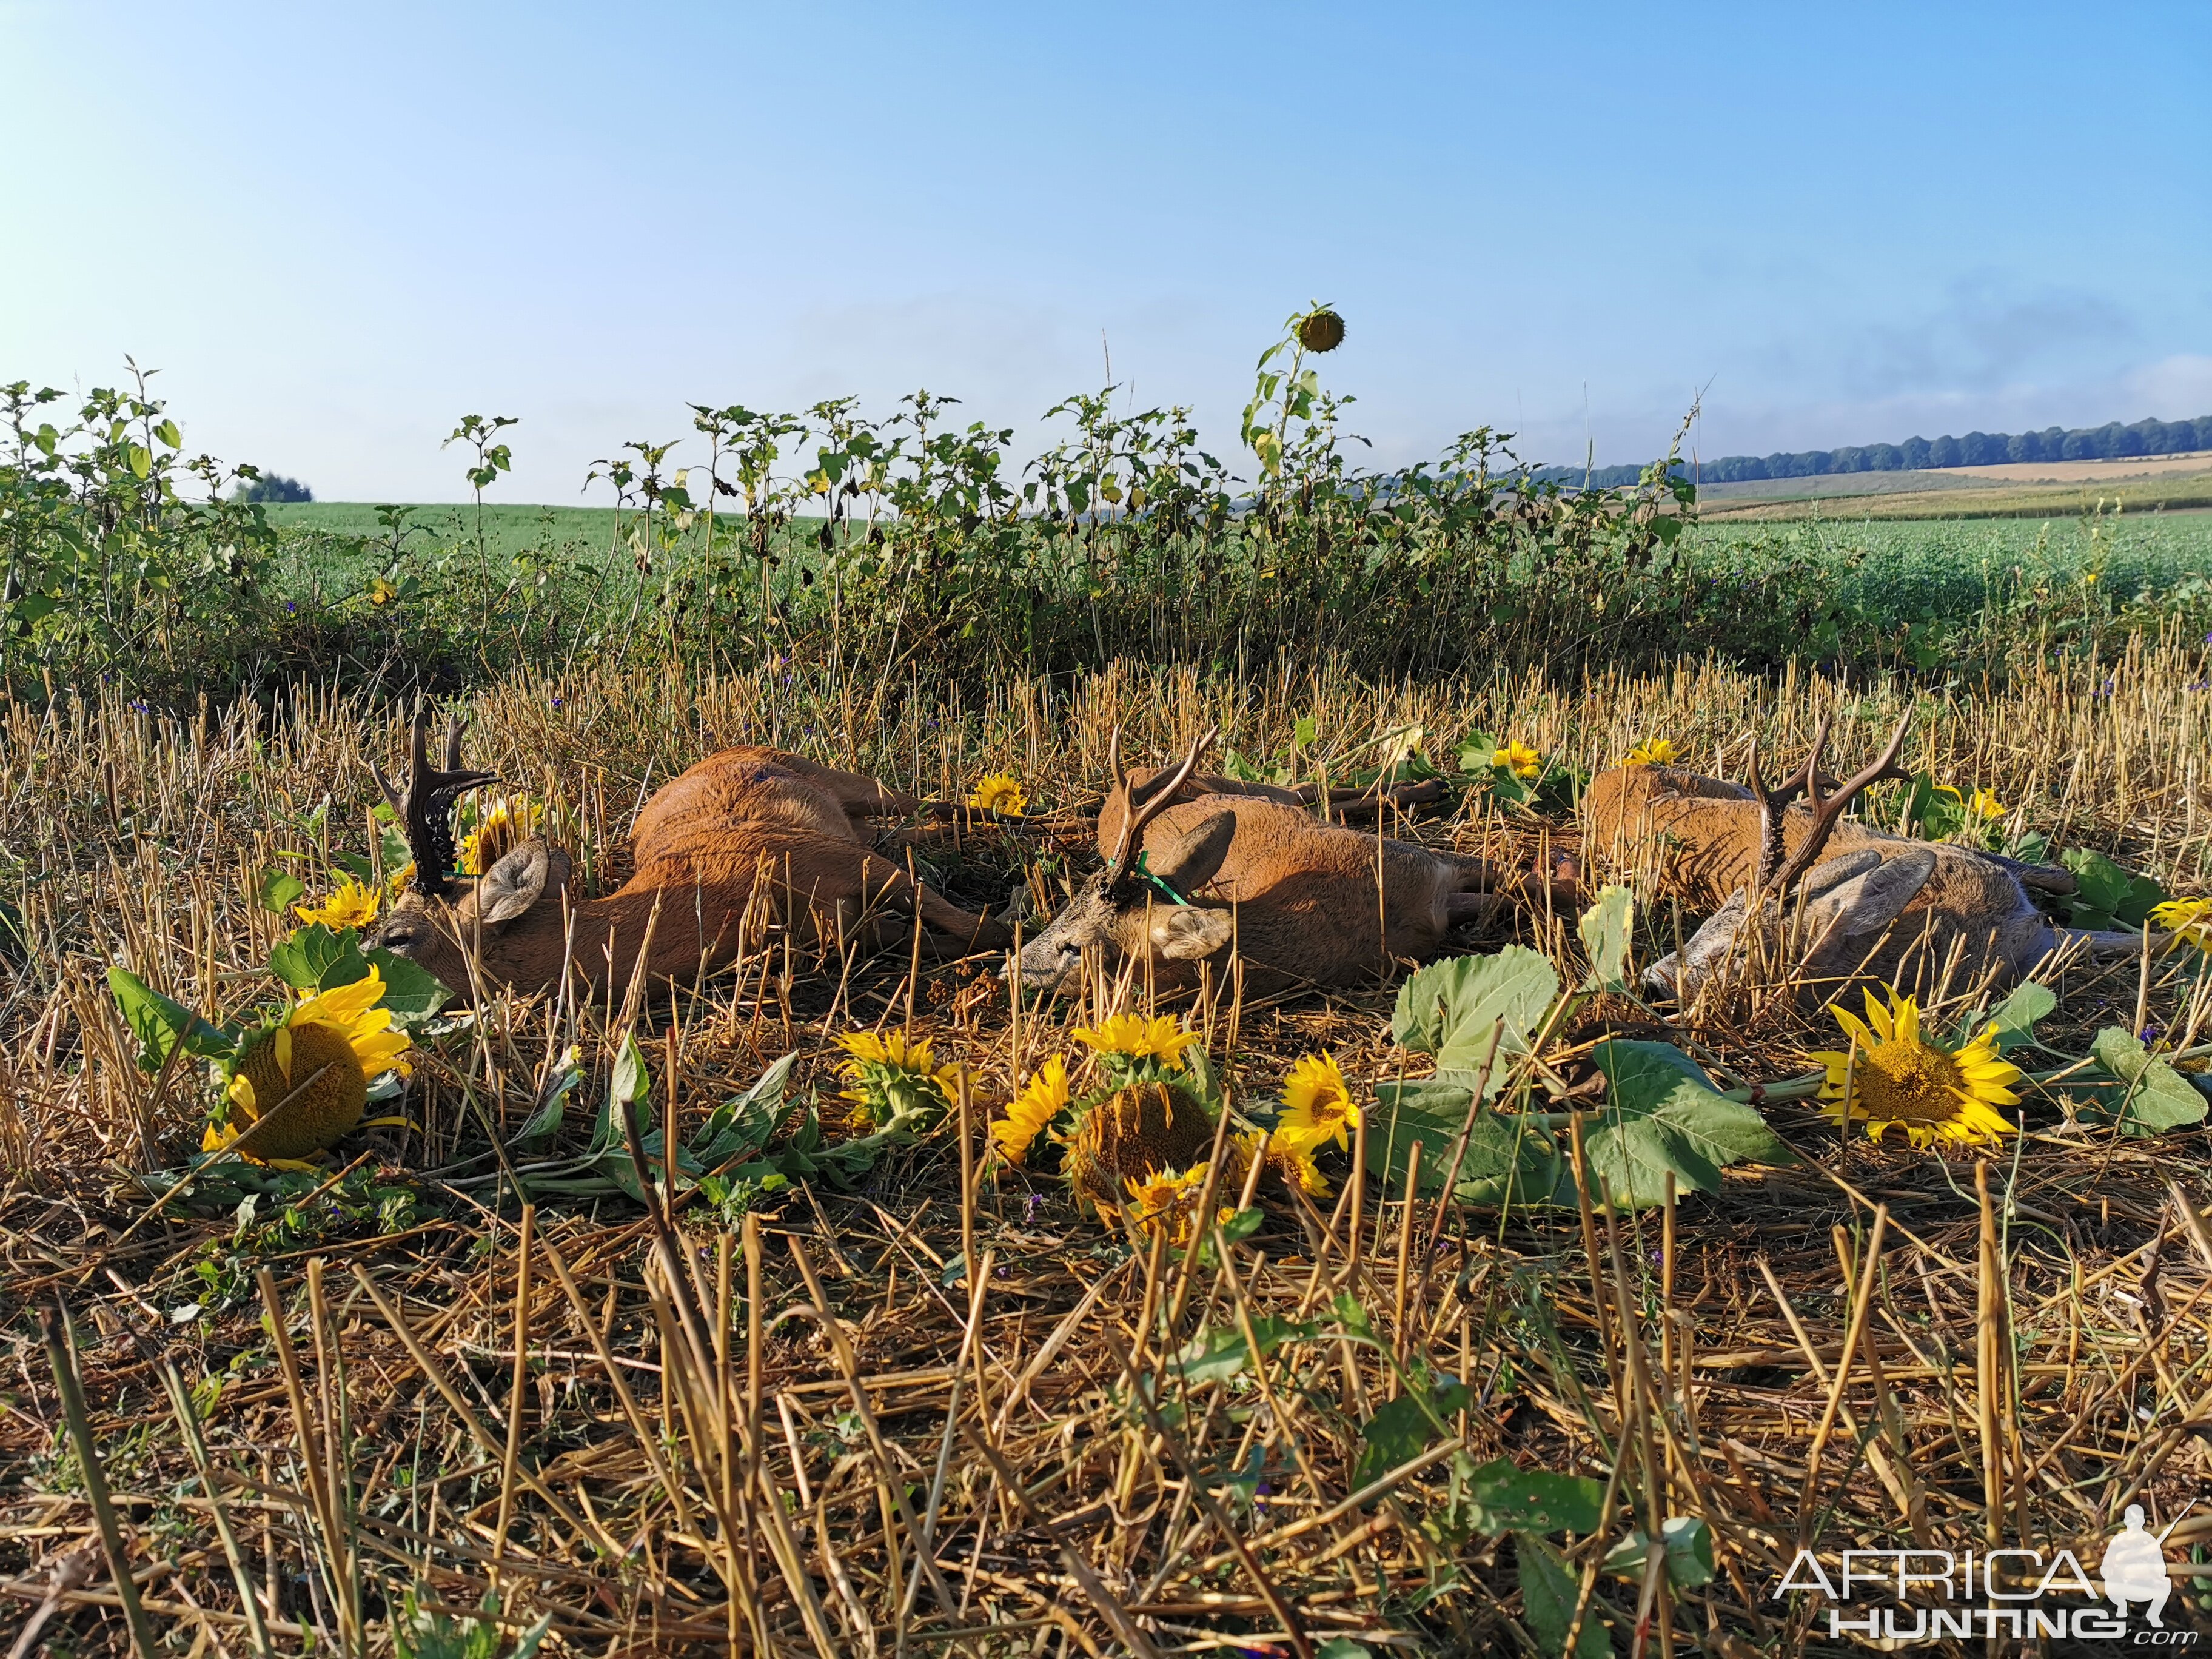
(1160, 883)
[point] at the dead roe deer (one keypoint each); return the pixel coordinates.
(1805, 893)
(742, 821)
(1196, 865)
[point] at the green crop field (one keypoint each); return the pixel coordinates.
(1915, 590)
(1956, 495)
(1955, 552)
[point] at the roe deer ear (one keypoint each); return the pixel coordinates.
(1869, 901)
(1188, 932)
(1191, 860)
(1824, 878)
(514, 885)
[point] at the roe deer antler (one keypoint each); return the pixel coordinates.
(1774, 800)
(1781, 875)
(425, 810)
(1159, 794)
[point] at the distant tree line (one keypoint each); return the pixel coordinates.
(2111, 441)
(276, 486)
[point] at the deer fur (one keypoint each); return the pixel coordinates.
(1837, 902)
(1297, 899)
(1343, 803)
(743, 823)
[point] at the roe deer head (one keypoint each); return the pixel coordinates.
(747, 835)
(1912, 914)
(1193, 871)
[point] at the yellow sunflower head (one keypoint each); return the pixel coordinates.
(1041, 1100)
(1289, 1159)
(1983, 806)
(2189, 920)
(1298, 1165)
(1522, 760)
(1162, 1038)
(892, 1077)
(891, 1048)
(999, 792)
(1317, 1106)
(506, 826)
(350, 904)
(310, 1076)
(381, 591)
(1162, 1198)
(1899, 1080)
(1653, 751)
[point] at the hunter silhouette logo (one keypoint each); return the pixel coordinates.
(2134, 1570)
(1928, 1595)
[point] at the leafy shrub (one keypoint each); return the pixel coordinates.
(926, 553)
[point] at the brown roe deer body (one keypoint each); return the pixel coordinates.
(742, 821)
(1825, 899)
(1197, 866)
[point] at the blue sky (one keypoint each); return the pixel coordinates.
(337, 229)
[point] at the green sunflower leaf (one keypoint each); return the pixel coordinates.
(2015, 1017)
(278, 889)
(2154, 1098)
(1662, 1115)
(1604, 930)
(1685, 1541)
(161, 1024)
(1549, 1590)
(1405, 1428)
(316, 959)
(1509, 1498)
(1510, 1158)
(411, 991)
(1451, 1009)
(745, 1123)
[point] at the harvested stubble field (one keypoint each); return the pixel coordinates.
(811, 1429)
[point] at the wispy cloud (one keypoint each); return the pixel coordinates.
(1982, 337)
